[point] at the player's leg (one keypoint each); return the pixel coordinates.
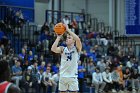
(73, 85)
(62, 92)
(63, 86)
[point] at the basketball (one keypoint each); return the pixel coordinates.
(59, 28)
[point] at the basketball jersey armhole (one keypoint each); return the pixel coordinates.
(7, 87)
(77, 51)
(62, 49)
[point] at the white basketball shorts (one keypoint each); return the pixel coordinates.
(68, 84)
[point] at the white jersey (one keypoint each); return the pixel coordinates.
(69, 62)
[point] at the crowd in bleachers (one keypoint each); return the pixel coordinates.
(104, 65)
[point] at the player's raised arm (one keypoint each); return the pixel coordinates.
(76, 38)
(55, 47)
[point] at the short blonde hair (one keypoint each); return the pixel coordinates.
(43, 62)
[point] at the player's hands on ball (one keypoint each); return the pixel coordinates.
(59, 36)
(66, 26)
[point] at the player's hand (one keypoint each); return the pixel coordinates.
(59, 36)
(67, 27)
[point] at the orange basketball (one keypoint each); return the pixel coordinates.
(59, 28)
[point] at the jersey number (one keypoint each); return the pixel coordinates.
(69, 57)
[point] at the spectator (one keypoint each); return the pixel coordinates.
(135, 80)
(17, 72)
(34, 67)
(92, 54)
(109, 36)
(121, 81)
(39, 79)
(26, 48)
(49, 65)
(55, 79)
(110, 50)
(51, 27)
(27, 79)
(75, 27)
(25, 63)
(104, 41)
(87, 46)
(44, 39)
(91, 67)
(129, 63)
(19, 19)
(81, 71)
(46, 82)
(42, 66)
(107, 79)
(55, 68)
(44, 27)
(66, 20)
(135, 63)
(117, 84)
(44, 36)
(30, 56)
(126, 78)
(35, 76)
(102, 65)
(83, 56)
(97, 81)
(22, 55)
(41, 59)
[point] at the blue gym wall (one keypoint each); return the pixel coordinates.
(27, 7)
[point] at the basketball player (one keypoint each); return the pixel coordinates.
(5, 86)
(68, 81)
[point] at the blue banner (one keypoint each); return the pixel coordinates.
(21, 3)
(132, 18)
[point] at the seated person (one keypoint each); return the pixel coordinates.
(126, 77)
(46, 79)
(135, 81)
(17, 72)
(107, 79)
(97, 81)
(27, 79)
(117, 78)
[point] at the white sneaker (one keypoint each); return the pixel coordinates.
(113, 90)
(133, 91)
(96, 91)
(121, 91)
(101, 91)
